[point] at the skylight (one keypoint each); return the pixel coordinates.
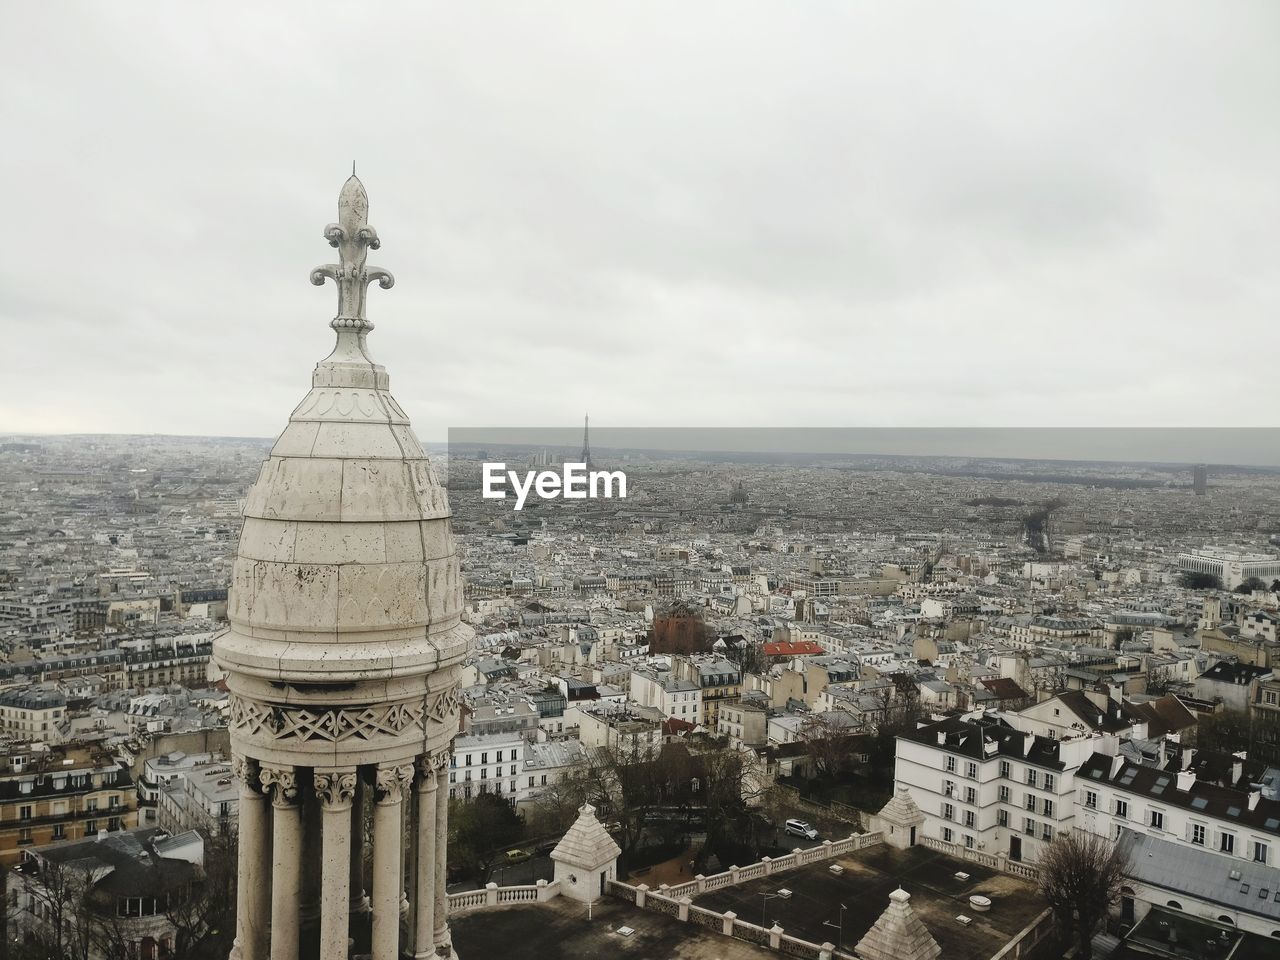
(1199, 803)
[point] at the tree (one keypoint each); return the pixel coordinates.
(480, 829)
(204, 914)
(1225, 731)
(1194, 580)
(828, 740)
(1250, 585)
(749, 657)
(61, 924)
(1080, 876)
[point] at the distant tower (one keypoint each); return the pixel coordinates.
(1200, 480)
(586, 442)
(343, 658)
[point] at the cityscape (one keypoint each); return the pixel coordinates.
(881, 664)
(640, 481)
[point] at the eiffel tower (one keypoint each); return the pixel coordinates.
(586, 444)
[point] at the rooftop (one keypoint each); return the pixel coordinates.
(869, 877)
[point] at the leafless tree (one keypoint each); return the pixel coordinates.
(828, 740)
(1080, 876)
(203, 912)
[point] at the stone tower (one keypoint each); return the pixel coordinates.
(342, 658)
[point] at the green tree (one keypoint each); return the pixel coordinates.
(480, 830)
(1194, 580)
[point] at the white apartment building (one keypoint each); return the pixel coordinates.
(675, 698)
(983, 784)
(489, 763)
(1201, 837)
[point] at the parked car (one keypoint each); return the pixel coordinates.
(517, 856)
(798, 828)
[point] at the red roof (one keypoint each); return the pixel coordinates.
(787, 648)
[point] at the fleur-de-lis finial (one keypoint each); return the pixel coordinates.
(353, 237)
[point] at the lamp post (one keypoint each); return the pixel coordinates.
(764, 903)
(839, 928)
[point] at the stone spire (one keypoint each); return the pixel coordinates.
(899, 934)
(343, 656)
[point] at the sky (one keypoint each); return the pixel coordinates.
(664, 213)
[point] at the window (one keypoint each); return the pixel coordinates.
(1003, 794)
(1197, 834)
(971, 771)
(1031, 802)
(1048, 808)
(531, 781)
(969, 819)
(1048, 781)
(484, 757)
(1259, 851)
(970, 795)
(1002, 817)
(59, 831)
(468, 759)
(1271, 698)
(1122, 809)
(1004, 768)
(947, 834)
(24, 813)
(90, 828)
(968, 840)
(948, 812)
(1091, 799)
(1029, 827)
(1047, 831)
(1227, 842)
(948, 788)
(951, 764)
(1032, 778)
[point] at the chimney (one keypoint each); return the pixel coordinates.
(1116, 764)
(942, 738)
(1186, 780)
(1254, 796)
(1187, 754)
(1237, 771)
(1028, 741)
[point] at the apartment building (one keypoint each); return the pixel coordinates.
(488, 763)
(68, 792)
(33, 713)
(988, 786)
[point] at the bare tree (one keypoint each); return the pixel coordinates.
(828, 740)
(1080, 877)
(203, 912)
(61, 922)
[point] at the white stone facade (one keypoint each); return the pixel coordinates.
(343, 656)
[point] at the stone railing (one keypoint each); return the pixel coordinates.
(494, 896)
(996, 861)
(677, 901)
(763, 868)
(1027, 938)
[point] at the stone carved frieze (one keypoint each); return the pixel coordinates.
(334, 726)
(246, 771)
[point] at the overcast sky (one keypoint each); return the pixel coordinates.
(752, 214)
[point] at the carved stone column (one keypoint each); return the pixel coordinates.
(359, 902)
(392, 785)
(335, 791)
(444, 946)
(286, 860)
(311, 853)
(254, 865)
(424, 916)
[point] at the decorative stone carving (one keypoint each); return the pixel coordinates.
(333, 726)
(246, 771)
(354, 237)
(283, 779)
(431, 765)
(394, 782)
(335, 789)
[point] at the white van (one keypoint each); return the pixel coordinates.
(798, 828)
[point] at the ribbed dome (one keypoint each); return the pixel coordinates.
(346, 570)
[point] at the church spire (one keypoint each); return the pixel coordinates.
(354, 237)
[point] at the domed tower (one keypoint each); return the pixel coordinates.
(343, 658)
